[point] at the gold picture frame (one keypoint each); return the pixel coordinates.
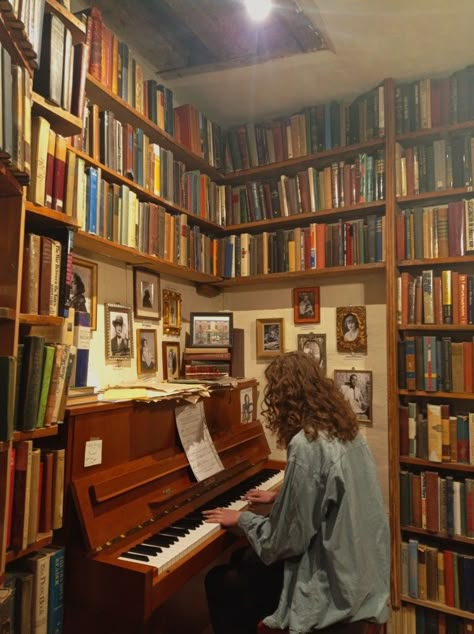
(351, 329)
(270, 338)
(171, 312)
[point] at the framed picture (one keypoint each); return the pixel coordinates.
(270, 338)
(246, 405)
(118, 332)
(356, 386)
(351, 329)
(147, 359)
(306, 305)
(315, 345)
(211, 330)
(146, 294)
(171, 312)
(171, 360)
(84, 288)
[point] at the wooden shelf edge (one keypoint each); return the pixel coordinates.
(7, 314)
(453, 259)
(41, 432)
(439, 607)
(43, 540)
(434, 327)
(434, 132)
(62, 121)
(77, 28)
(461, 539)
(435, 195)
(444, 466)
(468, 396)
(40, 320)
(50, 214)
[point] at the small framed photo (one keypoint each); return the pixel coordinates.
(171, 312)
(270, 338)
(356, 387)
(351, 329)
(211, 330)
(306, 306)
(246, 405)
(83, 296)
(118, 332)
(146, 294)
(171, 360)
(147, 359)
(315, 345)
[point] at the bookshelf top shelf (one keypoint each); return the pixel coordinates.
(47, 216)
(14, 40)
(62, 121)
(444, 466)
(437, 262)
(40, 320)
(459, 192)
(75, 26)
(429, 134)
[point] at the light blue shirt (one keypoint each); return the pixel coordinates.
(329, 525)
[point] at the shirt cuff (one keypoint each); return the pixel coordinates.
(245, 518)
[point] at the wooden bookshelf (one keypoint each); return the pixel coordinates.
(445, 466)
(428, 134)
(41, 432)
(75, 26)
(7, 314)
(461, 539)
(40, 320)
(13, 38)
(43, 540)
(49, 216)
(62, 121)
(459, 396)
(107, 100)
(105, 248)
(439, 607)
(452, 194)
(437, 327)
(9, 186)
(437, 262)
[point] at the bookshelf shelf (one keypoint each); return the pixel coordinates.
(446, 466)
(438, 262)
(360, 210)
(44, 540)
(144, 194)
(294, 165)
(77, 28)
(435, 133)
(437, 327)
(459, 192)
(107, 100)
(448, 395)
(320, 274)
(13, 37)
(444, 536)
(43, 214)
(40, 320)
(7, 314)
(42, 432)
(106, 248)
(440, 607)
(62, 122)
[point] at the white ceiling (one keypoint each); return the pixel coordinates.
(372, 40)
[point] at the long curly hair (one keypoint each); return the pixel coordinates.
(297, 396)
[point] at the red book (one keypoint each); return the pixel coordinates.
(59, 173)
(307, 248)
(45, 514)
(449, 578)
(462, 286)
(435, 103)
(432, 501)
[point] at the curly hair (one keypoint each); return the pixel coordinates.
(297, 396)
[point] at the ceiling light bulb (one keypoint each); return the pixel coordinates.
(258, 10)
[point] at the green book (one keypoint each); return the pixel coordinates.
(48, 360)
(7, 396)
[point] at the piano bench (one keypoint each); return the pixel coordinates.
(362, 627)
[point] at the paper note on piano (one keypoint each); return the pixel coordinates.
(196, 440)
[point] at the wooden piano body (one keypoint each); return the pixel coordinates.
(142, 485)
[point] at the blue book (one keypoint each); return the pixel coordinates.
(413, 568)
(124, 57)
(82, 333)
(56, 589)
(229, 254)
(91, 199)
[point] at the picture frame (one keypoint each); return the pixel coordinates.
(351, 329)
(270, 337)
(147, 357)
(83, 295)
(306, 305)
(246, 405)
(118, 317)
(146, 294)
(314, 344)
(356, 387)
(171, 312)
(211, 330)
(171, 360)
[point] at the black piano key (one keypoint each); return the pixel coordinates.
(161, 540)
(175, 530)
(135, 556)
(141, 549)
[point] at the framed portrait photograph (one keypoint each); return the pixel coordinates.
(171, 312)
(171, 360)
(246, 405)
(270, 338)
(83, 296)
(146, 294)
(351, 329)
(118, 332)
(211, 330)
(356, 387)
(315, 345)
(147, 358)
(306, 306)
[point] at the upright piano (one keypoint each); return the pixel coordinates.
(132, 523)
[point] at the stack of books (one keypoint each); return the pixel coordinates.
(207, 363)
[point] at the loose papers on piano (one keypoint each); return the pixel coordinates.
(152, 391)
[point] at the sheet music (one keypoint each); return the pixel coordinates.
(196, 440)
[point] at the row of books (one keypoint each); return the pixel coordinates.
(36, 493)
(33, 599)
(415, 619)
(435, 166)
(433, 102)
(30, 14)
(435, 364)
(201, 364)
(437, 504)
(427, 298)
(436, 232)
(61, 75)
(315, 129)
(47, 187)
(441, 576)
(437, 434)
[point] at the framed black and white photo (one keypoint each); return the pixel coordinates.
(351, 329)
(356, 387)
(83, 296)
(146, 294)
(118, 332)
(147, 359)
(270, 338)
(306, 307)
(315, 345)
(171, 360)
(211, 330)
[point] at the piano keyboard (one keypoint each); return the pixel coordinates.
(165, 548)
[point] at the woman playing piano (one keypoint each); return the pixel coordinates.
(322, 554)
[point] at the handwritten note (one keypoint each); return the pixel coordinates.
(93, 452)
(196, 440)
